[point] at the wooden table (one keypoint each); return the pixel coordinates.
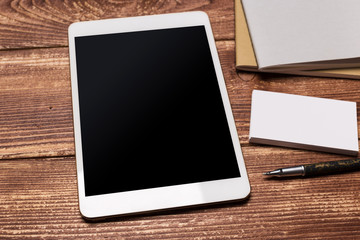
(38, 191)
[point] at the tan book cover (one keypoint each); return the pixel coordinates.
(246, 60)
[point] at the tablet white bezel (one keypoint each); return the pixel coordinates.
(163, 197)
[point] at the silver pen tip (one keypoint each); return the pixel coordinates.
(273, 173)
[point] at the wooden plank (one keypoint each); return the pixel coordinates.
(39, 200)
(35, 96)
(37, 23)
(36, 117)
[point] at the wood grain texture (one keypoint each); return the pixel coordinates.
(39, 23)
(35, 96)
(39, 200)
(38, 189)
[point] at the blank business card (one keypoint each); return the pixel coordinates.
(304, 122)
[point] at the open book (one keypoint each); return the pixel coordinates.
(247, 60)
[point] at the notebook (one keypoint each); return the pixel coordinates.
(246, 59)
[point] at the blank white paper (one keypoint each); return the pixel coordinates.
(304, 122)
(297, 31)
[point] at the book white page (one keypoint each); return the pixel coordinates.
(302, 31)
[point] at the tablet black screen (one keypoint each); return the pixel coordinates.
(151, 111)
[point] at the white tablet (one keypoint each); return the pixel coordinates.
(152, 119)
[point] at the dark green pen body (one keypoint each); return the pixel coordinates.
(332, 167)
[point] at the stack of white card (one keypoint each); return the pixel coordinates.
(304, 122)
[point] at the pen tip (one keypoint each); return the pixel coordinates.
(277, 172)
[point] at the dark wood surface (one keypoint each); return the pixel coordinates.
(38, 191)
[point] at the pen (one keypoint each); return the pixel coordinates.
(317, 168)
